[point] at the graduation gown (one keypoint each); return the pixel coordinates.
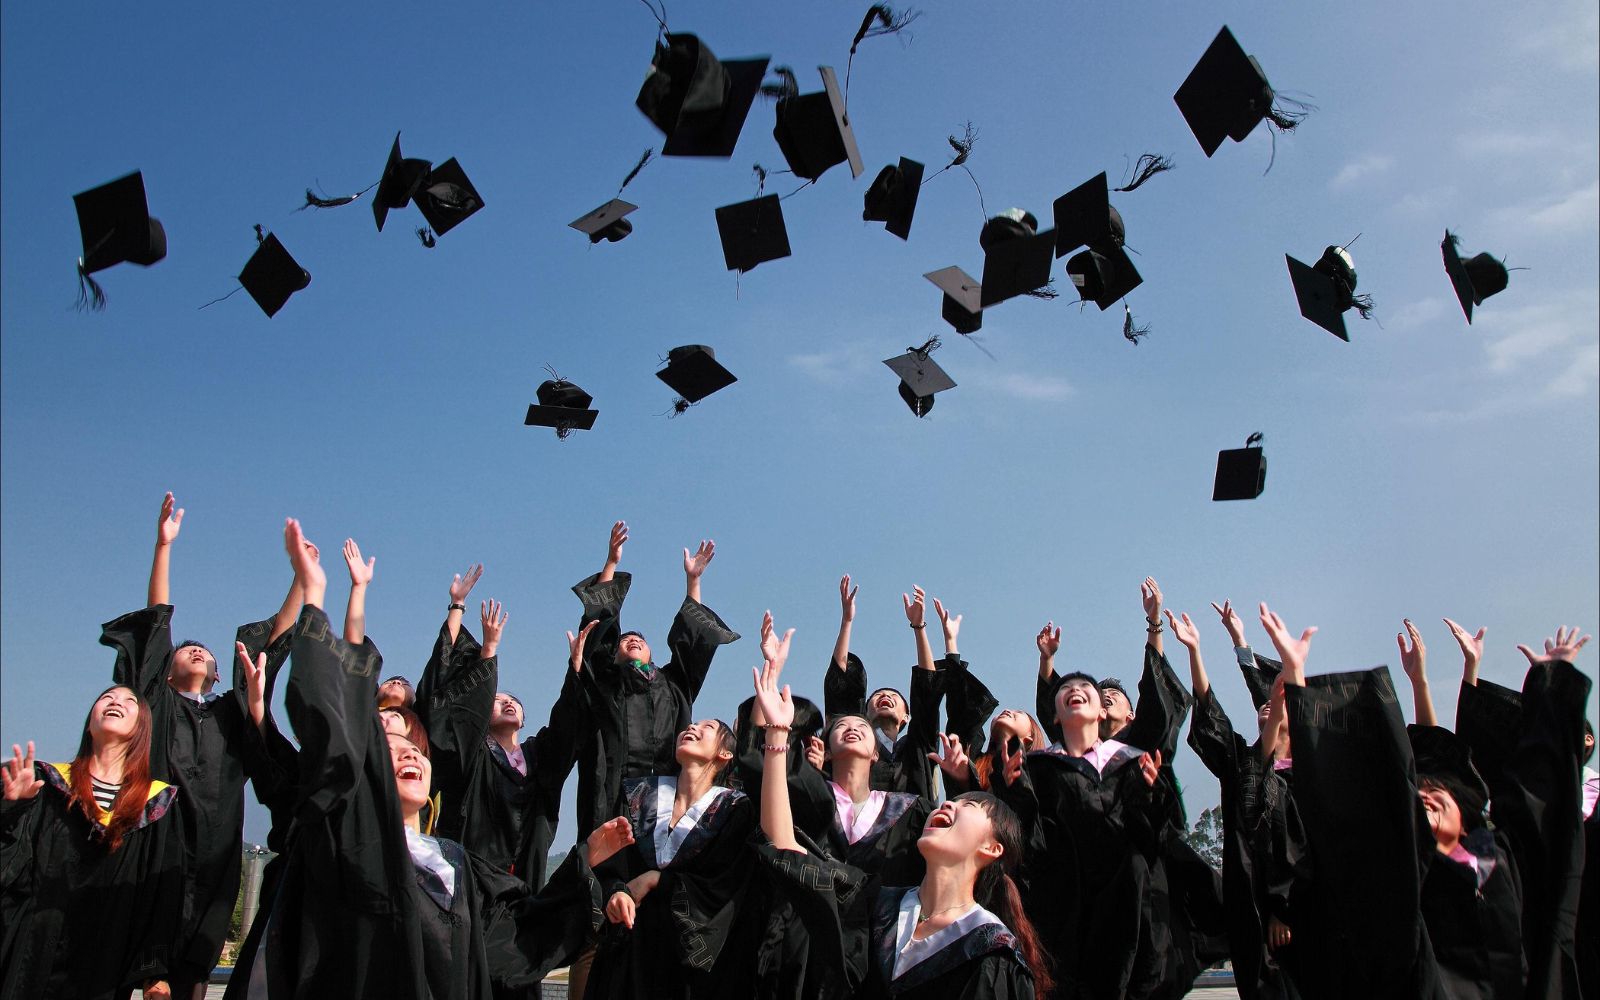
(852, 917)
(905, 767)
(1091, 836)
(346, 917)
(689, 937)
(1262, 844)
(208, 743)
(499, 814)
(635, 716)
(79, 922)
(968, 703)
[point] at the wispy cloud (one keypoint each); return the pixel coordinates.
(835, 367)
(1576, 379)
(1021, 385)
(1365, 166)
(1572, 43)
(1558, 333)
(1574, 211)
(1416, 314)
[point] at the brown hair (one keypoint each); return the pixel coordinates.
(984, 765)
(416, 732)
(996, 892)
(128, 808)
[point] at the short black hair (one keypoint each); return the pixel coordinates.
(1077, 675)
(1114, 684)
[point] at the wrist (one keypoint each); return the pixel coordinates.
(919, 626)
(456, 605)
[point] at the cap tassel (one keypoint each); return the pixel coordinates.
(1146, 167)
(426, 237)
(313, 200)
(90, 294)
(1254, 440)
(661, 18)
(787, 86)
(1044, 291)
(648, 154)
(1362, 304)
(1130, 332)
(881, 19)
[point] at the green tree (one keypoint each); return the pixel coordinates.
(1206, 836)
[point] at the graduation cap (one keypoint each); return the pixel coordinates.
(1084, 217)
(752, 232)
(271, 275)
(1326, 290)
(401, 180)
(115, 224)
(447, 198)
(963, 298)
(813, 130)
(920, 376)
(1445, 759)
(1227, 95)
(1103, 275)
(1241, 472)
(1474, 279)
(606, 222)
(699, 102)
(892, 198)
(1016, 258)
(693, 373)
(561, 405)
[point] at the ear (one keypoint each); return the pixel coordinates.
(723, 756)
(991, 849)
(1132, 716)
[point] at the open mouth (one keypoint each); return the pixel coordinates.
(1077, 698)
(851, 736)
(410, 772)
(112, 712)
(689, 736)
(941, 819)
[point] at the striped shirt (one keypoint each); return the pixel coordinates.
(105, 794)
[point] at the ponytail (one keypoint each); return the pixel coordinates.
(997, 892)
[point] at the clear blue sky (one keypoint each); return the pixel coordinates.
(1427, 468)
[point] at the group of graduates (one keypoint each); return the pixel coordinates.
(803, 852)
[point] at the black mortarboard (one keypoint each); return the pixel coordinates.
(606, 222)
(1241, 472)
(752, 232)
(1103, 275)
(1326, 291)
(563, 406)
(814, 133)
(698, 101)
(892, 198)
(447, 198)
(693, 372)
(963, 298)
(1474, 280)
(1446, 759)
(114, 221)
(399, 184)
(1084, 217)
(271, 275)
(1226, 94)
(1016, 259)
(920, 378)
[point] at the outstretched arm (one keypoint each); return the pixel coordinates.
(1291, 651)
(1150, 596)
(1414, 662)
(952, 628)
(917, 616)
(160, 589)
(847, 614)
(619, 538)
(1184, 631)
(355, 613)
(694, 566)
(460, 587)
(1471, 651)
(777, 708)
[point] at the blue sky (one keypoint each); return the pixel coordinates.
(1427, 468)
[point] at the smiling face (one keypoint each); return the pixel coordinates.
(413, 774)
(1078, 701)
(957, 831)
(1012, 724)
(704, 743)
(851, 736)
(1119, 710)
(114, 717)
(507, 712)
(886, 708)
(1444, 815)
(193, 668)
(633, 647)
(395, 691)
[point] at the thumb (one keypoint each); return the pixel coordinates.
(1525, 651)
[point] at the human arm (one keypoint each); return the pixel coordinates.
(916, 608)
(460, 588)
(777, 708)
(1150, 597)
(255, 676)
(1184, 631)
(1291, 650)
(167, 527)
(619, 538)
(355, 612)
(847, 615)
(1414, 660)
(1048, 642)
(1471, 650)
(951, 625)
(694, 567)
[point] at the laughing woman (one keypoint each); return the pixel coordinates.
(961, 933)
(91, 877)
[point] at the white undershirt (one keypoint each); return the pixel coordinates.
(670, 836)
(909, 952)
(856, 823)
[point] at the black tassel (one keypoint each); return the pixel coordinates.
(425, 235)
(636, 168)
(1044, 291)
(90, 295)
(1254, 439)
(224, 298)
(1130, 332)
(1363, 305)
(928, 347)
(261, 235)
(788, 85)
(313, 200)
(661, 18)
(1286, 113)
(1146, 167)
(680, 406)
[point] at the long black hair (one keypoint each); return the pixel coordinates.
(996, 892)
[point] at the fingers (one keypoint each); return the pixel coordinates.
(1525, 651)
(938, 609)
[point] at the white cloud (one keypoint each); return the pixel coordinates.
(1355, 170)
(836, 366)
(1022, 385)
(1579, 376)
(1558, 333)
(1579, 209)
(1572, 44)
(1415, 314)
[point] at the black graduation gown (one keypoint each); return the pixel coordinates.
(209, 744)
(852, 917)
(79, 922)
(1262, 844)
(346, 919)
(1357, 922)
(1528, 749)
(968, 703)
(495, 811)
(634, 716)
(1090, 841)
(905, 768)
(690, 937)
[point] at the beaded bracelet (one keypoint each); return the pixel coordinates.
(769, 748)
(771, 725)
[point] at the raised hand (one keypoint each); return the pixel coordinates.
(20, 781)
(1564, 646)
(777, 707)
(255, 681)
(1291, 651)
(1184, 631)
(951, 757)
(360, 572)
(1150, 595)
(169, 523)
(769, 639)
(608, 838)
(575, 644)
(493, 615)
(847, 599)
(951, 623)
(1048, 640)
(1150, 767)
(696, 563)
(1231, 621)
(916, 607)
(1413, 659)
(816, 752)
(461, 585)
(305, 560)
(619, 538)
(1471, 645)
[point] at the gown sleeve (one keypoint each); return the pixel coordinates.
(331, 691)
(834, 903)
(922, 735)
(968, 703)
(143, 643)
(1163, 703)
(1044, 705)
(694, 637)
(602, 602)
(844, 692)
(454, 700)
(527, 934)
